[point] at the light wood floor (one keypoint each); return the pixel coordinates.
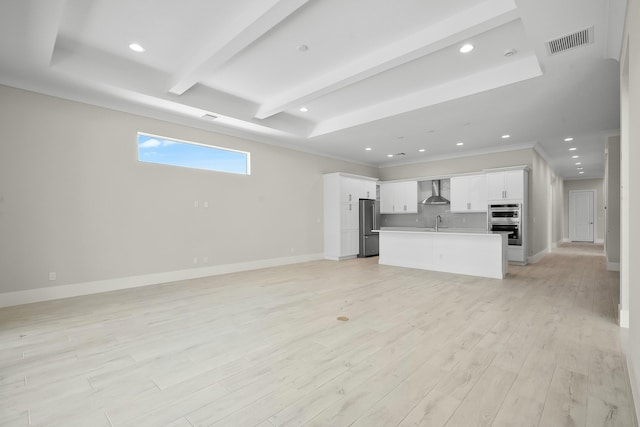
(540, 348)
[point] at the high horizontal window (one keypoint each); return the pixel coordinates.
(166, 151)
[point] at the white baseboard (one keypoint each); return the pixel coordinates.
(624, 318)
(77, 289)
(613, 266)
(568, 240)
(537, 257)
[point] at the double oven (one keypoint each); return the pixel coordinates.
(507, 217)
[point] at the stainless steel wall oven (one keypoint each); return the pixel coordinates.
(507, 217)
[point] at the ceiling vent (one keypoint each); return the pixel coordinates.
(209, 117)
(570, 41)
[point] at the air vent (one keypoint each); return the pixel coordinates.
(570, 41)
(209, 117)
(400, 154)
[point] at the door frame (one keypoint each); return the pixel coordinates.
(593, 213)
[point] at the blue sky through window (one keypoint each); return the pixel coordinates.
(165, 151)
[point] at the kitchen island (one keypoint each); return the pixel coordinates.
(461, 251)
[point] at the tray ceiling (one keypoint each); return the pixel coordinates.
(387, 76)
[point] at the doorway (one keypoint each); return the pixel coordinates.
(581, 216)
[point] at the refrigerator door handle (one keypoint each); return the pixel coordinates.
(373, 215)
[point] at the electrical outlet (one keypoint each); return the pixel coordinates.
(52, 275)
(205, 260)
(195, 260)
(206, 204)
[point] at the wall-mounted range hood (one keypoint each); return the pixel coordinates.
(435, 198)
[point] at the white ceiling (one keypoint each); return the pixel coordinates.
(375, 73)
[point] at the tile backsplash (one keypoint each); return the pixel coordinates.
(426, 216)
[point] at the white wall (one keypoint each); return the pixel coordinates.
(458, 165)
(587, 184)
(612, 202)
(545, 206)
(74, 199)
(558, 212)
(630, 192)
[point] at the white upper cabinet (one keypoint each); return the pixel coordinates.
(399, 197)
(505, 186)
(354, 189)
(387, 197)
(367, 189)
(348, 190)
(469, 193)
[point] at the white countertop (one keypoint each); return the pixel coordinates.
(440, 230)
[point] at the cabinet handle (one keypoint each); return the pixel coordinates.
(468, 206)
(349, 206)
(405, 208)
(349, 197)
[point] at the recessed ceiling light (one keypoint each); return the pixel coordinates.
(572, 149)
(568, 139)
(389, 155)
(509, 52)
(422, 150)
(579, 169)
(460, 143)
(466, 48)
(581, 172)
(136, 47)
(506, 136)
(368, 149)
(578, 163)
(304, 109)
(574, 157)
(303, 48)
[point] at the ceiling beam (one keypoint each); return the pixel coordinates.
(43, 25)
(261, 17)
(483, 17)
(491, 78)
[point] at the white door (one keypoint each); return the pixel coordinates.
(581, 216)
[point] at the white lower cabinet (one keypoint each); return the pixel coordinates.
(342, 193)
(399, 197)
(469, 193)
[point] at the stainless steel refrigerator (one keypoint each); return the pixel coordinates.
(368, 222)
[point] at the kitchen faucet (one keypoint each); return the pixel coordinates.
(438, 221)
